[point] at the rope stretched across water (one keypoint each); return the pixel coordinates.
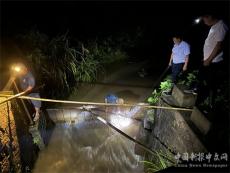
(103, 120)
(96, 103)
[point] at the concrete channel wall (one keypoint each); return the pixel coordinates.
(180, 131)
(173, 130)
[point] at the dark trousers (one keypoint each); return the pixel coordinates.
(209, 78)
(176, 70)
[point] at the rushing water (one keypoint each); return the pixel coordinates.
(91, 146)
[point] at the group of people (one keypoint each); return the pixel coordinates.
(212, 56)
(212, 61)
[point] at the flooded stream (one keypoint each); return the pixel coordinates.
(89, 145)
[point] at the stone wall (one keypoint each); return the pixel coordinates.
(172, 129)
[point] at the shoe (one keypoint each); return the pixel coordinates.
(191, 91)
(167, 93)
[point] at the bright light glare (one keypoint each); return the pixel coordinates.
(101, 119)
(119, 121)
(17, 69)
(197, 20)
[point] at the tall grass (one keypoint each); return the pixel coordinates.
(161, 160)
(61, 66)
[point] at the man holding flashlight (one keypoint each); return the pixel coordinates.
(27, 83)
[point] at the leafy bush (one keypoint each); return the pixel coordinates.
(190, 79)
(105, 53)
(154, 98)
(61, 66)
(166, 85)
(54, 65)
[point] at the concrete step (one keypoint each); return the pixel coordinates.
(183, 99)
(200, 121)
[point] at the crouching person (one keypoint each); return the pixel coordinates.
(113, 99)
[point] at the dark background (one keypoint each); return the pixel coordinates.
(88, 20)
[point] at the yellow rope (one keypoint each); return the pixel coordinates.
(96, 103)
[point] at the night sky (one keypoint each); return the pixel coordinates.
(88, 20)
(99, 17)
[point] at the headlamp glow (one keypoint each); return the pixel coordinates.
(198, 20)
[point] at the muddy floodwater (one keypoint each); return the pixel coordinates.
(91, 146)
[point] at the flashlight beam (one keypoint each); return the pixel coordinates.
(9, 83)
(127, 136)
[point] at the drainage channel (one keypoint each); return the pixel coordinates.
(81, 143)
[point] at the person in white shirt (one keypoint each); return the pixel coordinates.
(212, 56)
(179, 57)
(213, 52)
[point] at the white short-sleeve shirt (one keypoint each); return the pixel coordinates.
(180, 51)
(216, 34)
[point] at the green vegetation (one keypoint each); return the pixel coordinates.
(154, 98)
(105, 53)
(165, 85)
(36, 140)
(161, 160)
(61, 66)
(190, 79)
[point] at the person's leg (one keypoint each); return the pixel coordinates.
(203, 85)
(37, 113)
(215, 79)
(176, 70)
(174, 73)
(37, 106)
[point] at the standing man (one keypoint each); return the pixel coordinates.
(27, 83)
(213, 46)
(179, 57)
(212, 56)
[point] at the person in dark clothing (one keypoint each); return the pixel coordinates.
(27, 83)
(112, 98)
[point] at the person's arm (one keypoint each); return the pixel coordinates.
(29, 88)
(215, 52)
(185, 67)
(170, 61)
(31, 83)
